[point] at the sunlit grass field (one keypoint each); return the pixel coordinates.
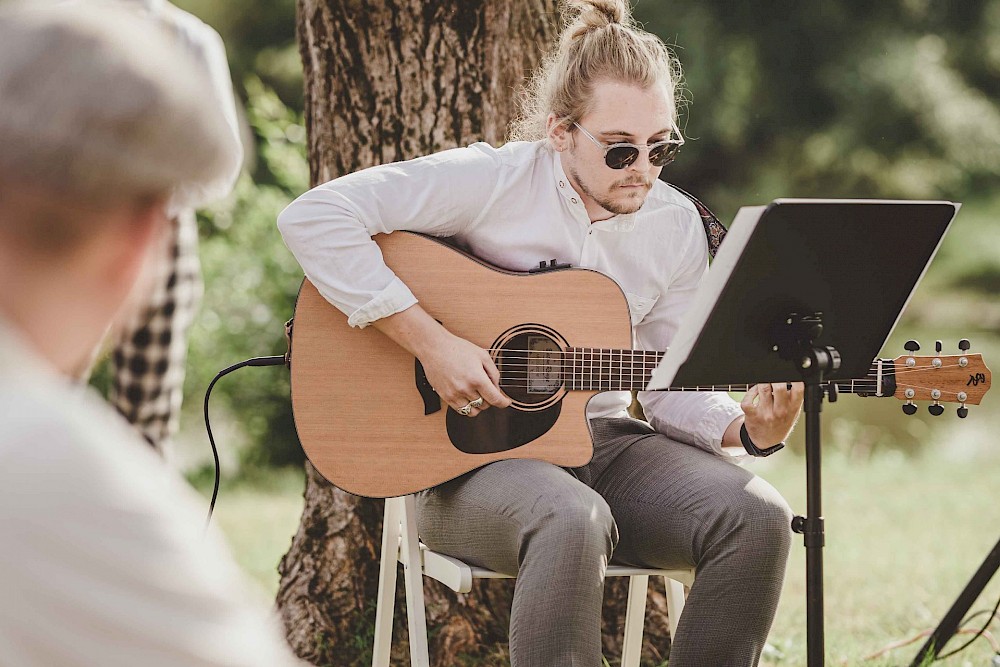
(904, 535)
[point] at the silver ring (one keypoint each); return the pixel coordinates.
(467, 410)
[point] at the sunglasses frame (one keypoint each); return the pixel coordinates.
(671, 155)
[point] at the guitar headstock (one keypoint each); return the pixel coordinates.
(960, 378)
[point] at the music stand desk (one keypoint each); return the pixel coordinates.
(805, 290)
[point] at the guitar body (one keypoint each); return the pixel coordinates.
(370, 426)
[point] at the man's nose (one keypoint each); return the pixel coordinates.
(641, 164)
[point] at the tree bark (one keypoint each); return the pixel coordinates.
(390, 80)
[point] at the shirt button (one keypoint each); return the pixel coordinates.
(574, 200)
(562, 184)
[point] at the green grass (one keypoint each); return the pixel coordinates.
(904, 535)
(259, 515)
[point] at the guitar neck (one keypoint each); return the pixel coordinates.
(602, 369)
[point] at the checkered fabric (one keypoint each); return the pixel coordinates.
(148, 358)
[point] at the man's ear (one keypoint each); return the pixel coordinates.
(557, 132)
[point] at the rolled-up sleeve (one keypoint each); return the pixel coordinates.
(695, 418)
(330, 228)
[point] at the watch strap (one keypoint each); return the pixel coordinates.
(754, 450)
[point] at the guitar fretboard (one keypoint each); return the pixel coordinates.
(605, 369)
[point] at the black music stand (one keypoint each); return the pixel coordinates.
(805, 289)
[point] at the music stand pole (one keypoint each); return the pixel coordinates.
(797, 340)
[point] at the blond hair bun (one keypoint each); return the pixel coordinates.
(600, 41)
(584, 16)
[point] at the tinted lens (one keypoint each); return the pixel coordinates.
(620, 157)
(664, 154)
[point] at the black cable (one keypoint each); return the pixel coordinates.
(977, 635)
(256, 361)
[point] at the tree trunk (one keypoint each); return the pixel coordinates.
(389, 80)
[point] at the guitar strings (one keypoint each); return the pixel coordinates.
(596, 364)
(736, 388)
(586, 370)
(626, 381)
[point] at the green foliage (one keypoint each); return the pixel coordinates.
(844, 98)
(260, 40)
(251, 281)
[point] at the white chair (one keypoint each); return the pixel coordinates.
(401, 545)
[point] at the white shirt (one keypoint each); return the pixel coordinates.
(514, 207)
(102, 556)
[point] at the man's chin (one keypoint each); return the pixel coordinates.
(625, 205)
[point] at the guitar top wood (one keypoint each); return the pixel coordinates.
(358, 413)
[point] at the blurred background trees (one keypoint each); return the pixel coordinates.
(842, 98)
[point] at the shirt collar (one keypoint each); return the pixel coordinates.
(618, 223)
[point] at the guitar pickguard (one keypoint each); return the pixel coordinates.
(499, 429)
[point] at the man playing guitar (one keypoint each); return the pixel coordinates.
(603, 122)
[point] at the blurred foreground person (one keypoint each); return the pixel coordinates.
(150, 350)
(103, 561)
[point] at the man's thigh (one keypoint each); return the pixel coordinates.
(486, 517)
(673, 503)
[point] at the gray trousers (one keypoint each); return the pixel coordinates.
(643, 500)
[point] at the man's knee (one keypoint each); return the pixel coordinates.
(764, 517)
(581, 524)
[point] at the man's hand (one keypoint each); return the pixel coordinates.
(462, 372)
(771, 411)
(459, 371)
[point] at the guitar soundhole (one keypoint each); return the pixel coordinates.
(530, 360)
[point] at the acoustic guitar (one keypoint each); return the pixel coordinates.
(371, 424)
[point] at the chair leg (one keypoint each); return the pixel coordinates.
(635, 618)
(386, 601)
(675, 603)
(413, 577)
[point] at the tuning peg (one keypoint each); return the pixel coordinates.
(935, 409)
(938, 346)
(909, 408)
(911, 346)
(963, 412)
(964, 345)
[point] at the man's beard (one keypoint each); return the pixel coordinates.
(629, 205)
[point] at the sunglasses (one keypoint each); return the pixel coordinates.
(620, 155)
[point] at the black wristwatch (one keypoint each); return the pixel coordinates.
(754, 450)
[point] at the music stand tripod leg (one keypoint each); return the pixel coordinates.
(949, 624)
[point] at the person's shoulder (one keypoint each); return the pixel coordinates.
(516, 152)
(32, 416)
(54, 430)
(483, 156)
(664, 196)
(666, 203)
